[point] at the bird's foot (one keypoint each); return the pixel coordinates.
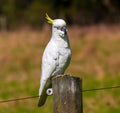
(49, 91)
(67, 75)
(62, 75)
(56, 76)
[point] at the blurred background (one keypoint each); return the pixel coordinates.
(93, 29)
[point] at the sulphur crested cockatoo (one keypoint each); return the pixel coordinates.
(56, 57)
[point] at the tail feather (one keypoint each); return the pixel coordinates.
(43, 95)
(42, 99)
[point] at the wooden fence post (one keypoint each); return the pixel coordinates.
(67, 94)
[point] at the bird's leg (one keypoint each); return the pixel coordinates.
(60, 75)
(55, 76)
(67, 75)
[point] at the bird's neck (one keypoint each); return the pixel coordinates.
(61, 41)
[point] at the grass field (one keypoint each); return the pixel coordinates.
(95, 58)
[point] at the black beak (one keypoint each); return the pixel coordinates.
(64, 30)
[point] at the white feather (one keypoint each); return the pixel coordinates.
(56, 58)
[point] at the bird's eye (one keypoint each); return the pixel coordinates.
(61, 28)
(57, 27)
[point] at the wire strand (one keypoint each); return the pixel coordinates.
(31, 97)
(17, 99)
(102, 88)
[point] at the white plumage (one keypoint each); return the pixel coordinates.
(56, 57)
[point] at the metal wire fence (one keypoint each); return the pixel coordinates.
(36, 96)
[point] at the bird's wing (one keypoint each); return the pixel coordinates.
(43, 96)
(49, 63)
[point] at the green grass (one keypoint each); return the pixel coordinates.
(95, 59)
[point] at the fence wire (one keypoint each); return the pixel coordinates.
(31, 97)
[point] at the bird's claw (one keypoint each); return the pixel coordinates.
(62, 75)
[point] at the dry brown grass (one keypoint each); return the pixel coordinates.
(88, 44)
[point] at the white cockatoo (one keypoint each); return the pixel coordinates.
(56, 57)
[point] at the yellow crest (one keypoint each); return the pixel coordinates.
(49, 20)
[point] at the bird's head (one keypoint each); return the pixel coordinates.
(58, 26)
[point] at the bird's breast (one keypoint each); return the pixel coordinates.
(64, 56)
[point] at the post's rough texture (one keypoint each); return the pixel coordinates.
(67, 94)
